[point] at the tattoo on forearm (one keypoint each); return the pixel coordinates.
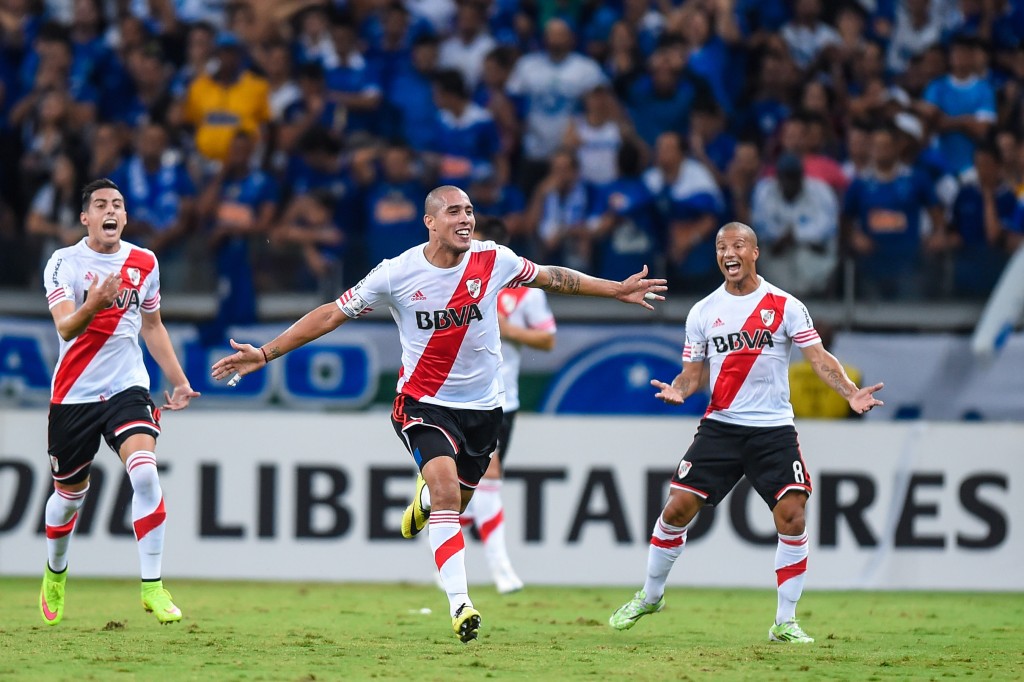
(274, 352)
(836, 379)
(563, 281)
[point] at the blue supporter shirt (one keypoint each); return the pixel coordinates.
(654, 114)
(394, 219)
(357, 77)
(153, 197)
(467, 145)
(304, 178)
(634, 241)
(412, 108)
(889, 212)
(971, 97)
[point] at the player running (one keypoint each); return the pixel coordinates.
(744, 330)
(102, 292)
(443, 296)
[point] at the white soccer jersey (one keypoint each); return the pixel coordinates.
(447, 321)
(105, 359)
(747, 341)
(524, 308)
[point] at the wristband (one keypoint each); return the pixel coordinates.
(266, 360)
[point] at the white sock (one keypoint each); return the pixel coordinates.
(667, 544)
(790, 570)
(489, 517)
(449, 548)
(61, 516)
(148, 513)
(425, 498)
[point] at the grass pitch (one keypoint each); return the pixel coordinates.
(302, 631)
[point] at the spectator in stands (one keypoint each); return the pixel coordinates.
(598, 133)
(411, 121)
(465, 142)
(160, 194)
(394, 221)
(796, 219)
(798, 137)
(709, 141)
(983, 225)
(625, 60)
(317, 164)
(149, 97)
(706, 54)
(314, 109)
(960, 106)
(551, 84)
(391, 34)
(354, 83)
(229, 100)
(741, 178)
(275, 61)
(470, 42)
(806, 34)
(200, 46)
(314, 42)
(623, 219)
(496, 199)
(53, 216)
(662, 99)
(307, 229)
(917, 28)
(559, 207)
(769, 102)
(688, 207)
(491, 93)
(916, 153)
(237, 207)
(105, 151)
(858, 151)
(46, 135)
(882, 216)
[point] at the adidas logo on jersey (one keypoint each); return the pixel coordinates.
(718, 323)
(419, 296)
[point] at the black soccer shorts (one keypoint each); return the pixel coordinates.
(722, 453)
(74, 430)
(467, 436)
(508, 422)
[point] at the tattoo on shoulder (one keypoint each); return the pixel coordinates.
(563, 281)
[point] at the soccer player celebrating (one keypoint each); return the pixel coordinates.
(744, 330)
(444, 298)
(524, 319)
(102, 292)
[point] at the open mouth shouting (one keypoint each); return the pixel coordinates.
(110, 227)
(732, 266)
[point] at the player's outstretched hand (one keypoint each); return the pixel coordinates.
(248, 359)
(863, 400)
(180, 399)
(639, 289)
(667, 393)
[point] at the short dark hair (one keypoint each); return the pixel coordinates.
(102, 183)
(451, 82)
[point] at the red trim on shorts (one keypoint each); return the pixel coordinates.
(793, 486)
(150, 521)
(66, 476)
(680, 486)
(140, 423)
(54, 532)
(789, 572)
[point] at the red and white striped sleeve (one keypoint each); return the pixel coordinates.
(58, 280)
(799, 325)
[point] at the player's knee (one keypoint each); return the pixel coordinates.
(789, 514)
(681, 508)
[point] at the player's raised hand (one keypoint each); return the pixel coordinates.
(248, 359)
(667, 393)
(640, 290)
(103, 294)
(179, 400)
(863, 400)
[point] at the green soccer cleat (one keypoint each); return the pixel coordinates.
(414, 519)
(157, 600)
(636, 608)
(466, 623)
(51, 596)
(789, 631)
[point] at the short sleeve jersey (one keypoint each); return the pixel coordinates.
(105, 359)
(526, 308)
(447, 321)
(747, 342)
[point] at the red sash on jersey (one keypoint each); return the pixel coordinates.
(442, 349)
(84, 348)
(738, 364)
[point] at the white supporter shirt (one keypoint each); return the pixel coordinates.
(527, 308)
(447, 321)
(105, 359)
(747, 341)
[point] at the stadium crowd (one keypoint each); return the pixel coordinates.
(288, 145)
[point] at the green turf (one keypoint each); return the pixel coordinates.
(293, 631)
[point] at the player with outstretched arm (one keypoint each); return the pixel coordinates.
(744, 330)
(443, 296)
